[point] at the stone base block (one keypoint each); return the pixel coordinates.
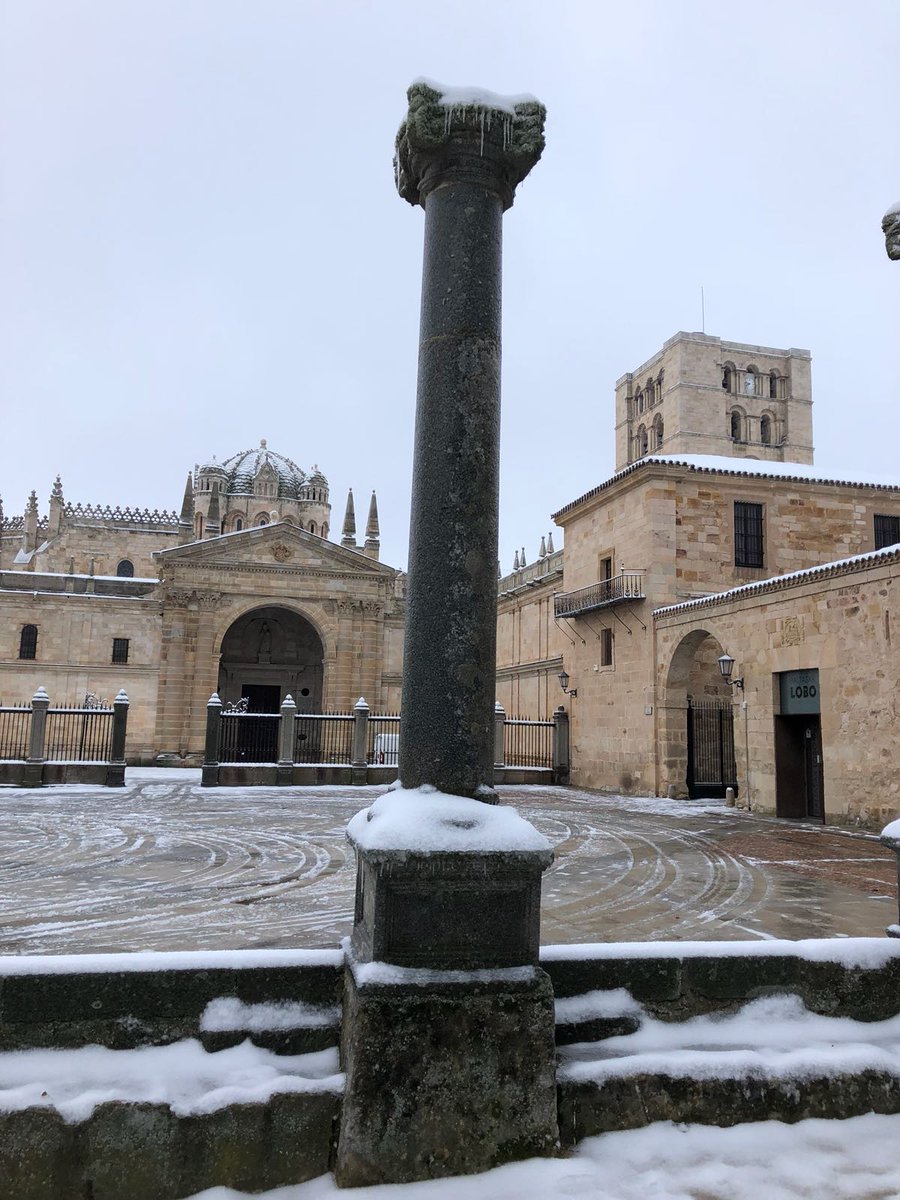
(448, 1073)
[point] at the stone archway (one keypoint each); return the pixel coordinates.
(693, 675)
(268, 653)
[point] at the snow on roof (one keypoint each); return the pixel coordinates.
(476, 97)
(840, 566)
(725, 465)
(423, 819)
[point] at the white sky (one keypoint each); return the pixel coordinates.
(201, 244)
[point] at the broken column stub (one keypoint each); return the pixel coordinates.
(460, 154)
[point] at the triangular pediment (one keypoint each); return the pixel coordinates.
(281, 546)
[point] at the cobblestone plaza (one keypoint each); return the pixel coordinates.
(164, 864)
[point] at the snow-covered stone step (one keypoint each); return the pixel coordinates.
(163, 1121)
(771, 1059)
(129, 1000)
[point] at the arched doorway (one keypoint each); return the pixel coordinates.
(698, 727)
(267, 654)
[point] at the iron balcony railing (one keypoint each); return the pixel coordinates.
(620, 589)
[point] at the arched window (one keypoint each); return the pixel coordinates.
(640, 402)
(643, 441)
(736, 431)
(238, 524)
(728, 378)
(28, 642)
(773, 386)
(657, 432)
(262, 520)
(765, 430)
(125, 569)
(312, 527)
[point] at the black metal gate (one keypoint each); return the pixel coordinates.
(710, 738)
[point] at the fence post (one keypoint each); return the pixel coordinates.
(284, 772)
(33, 775)
(360, 737)
(209, 775)
(115, 771)
(561, 746)
(499, 736)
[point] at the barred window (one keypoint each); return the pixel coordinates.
(120, 650)
(748, 534)
(887, 531)
(125, 569)
(28, 641)
(606, 647)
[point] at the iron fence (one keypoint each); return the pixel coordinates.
(383, 740)
(78, 735)
(248, 737)
(527, 743)
(323, 737)
(15, 731)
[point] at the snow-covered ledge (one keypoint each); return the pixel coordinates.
(890, 837)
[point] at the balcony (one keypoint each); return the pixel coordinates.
(620, 589)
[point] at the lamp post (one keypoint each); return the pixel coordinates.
(726, 666)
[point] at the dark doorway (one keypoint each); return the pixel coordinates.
(261, 697)
(710, 736)
(799, 775)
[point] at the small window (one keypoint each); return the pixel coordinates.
(606, 647)
(773, 386)
(238, 525)
(28, 642)
(726, 379)
(748, 534)
(765, 431)
(263, 520)
(120, 650)
(125, 569)
(736, 427)
(887, 533)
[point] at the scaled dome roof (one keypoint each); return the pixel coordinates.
(242, 468)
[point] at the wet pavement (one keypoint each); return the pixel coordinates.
(164, 864)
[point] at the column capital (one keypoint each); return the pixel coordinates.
(466, 135)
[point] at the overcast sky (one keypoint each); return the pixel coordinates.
(202, 245)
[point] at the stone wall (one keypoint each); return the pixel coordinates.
(840, 621)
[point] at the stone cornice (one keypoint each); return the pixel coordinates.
(531, 668)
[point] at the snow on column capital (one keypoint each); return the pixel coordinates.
(454, 134)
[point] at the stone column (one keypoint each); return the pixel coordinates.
(360, 737)
(115, 770)
(33, 775)
(462, 163)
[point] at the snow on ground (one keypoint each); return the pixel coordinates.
(812, 1160)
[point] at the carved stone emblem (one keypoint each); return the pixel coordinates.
(281, 552)
(792, 632)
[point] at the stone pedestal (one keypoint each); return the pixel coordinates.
(445, 1075)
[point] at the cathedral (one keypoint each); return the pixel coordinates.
(242, 593)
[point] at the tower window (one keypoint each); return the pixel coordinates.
(120, 650)
(125, 569)
(736, 431)
(238, 524)
(765, 430)
(773, 386)
(748, 534)
(28, 641)
(887, 531)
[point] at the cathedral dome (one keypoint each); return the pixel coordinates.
(243, 468)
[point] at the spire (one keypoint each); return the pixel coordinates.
(186, 517)
(550, 542)
(373, 543)
(213, 521)
(524, 560)
(30, 527)
(516, 562)
(348, 533)
(542, 553)
(55, 519)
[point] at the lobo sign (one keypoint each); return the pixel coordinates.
(799, 692)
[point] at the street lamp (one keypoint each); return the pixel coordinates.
(726, 666)
(564, 684)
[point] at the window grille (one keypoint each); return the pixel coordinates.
(748, 534)
(120, 650)
(606, 647)
(125, 569)
(28, 642)
(887, 531)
